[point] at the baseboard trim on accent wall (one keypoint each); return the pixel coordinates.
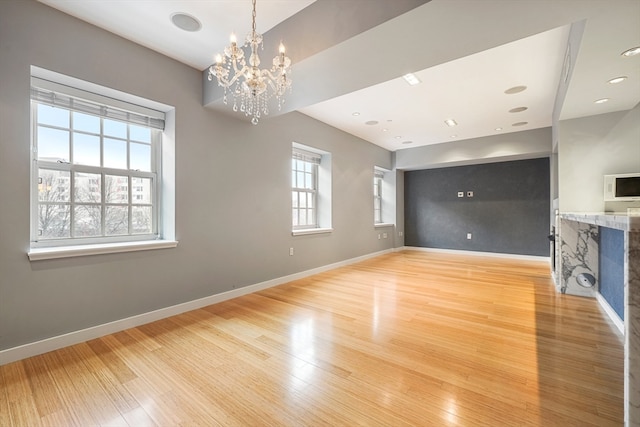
(76, 337)
(475, 253)
(617, 321)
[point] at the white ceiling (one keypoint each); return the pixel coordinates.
(469, 90)
(478, 50)
(148, 22)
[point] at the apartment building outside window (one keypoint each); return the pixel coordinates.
(95, 171)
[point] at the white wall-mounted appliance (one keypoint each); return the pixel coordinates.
(622, 187)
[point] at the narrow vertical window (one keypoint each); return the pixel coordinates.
(377, 196)
(304, 189)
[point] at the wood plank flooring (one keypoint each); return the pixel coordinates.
(404, 339)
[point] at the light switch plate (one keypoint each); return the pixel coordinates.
(469, 193)
(460, 193)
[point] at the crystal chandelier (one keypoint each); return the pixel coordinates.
(250, 86)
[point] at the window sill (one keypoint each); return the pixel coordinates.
(383, 224)
(37, 254)
(311, 231)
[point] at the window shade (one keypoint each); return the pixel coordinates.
(306, 156)
(153, 120)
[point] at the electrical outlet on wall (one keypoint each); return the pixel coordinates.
(460, 193)
(468, 236)
(469, 193)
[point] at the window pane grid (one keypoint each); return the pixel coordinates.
(304, 190)
(84, 185)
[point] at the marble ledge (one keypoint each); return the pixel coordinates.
(620, 221)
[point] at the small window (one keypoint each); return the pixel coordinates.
(304, 189)
(384, 196)
(378, 176)
(310, 190)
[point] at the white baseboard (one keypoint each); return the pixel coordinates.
(610, 312)
(475, 253)
(76, 337)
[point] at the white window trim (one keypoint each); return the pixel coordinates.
(38, 254)
(167, 174)
(383, 224)
(306, 231)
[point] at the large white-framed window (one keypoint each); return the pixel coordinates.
(310, 190)
(96, 174)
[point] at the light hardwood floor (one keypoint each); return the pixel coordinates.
(409, 338)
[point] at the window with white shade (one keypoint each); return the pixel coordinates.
(304, 189)
(96, 168)
(310, 190)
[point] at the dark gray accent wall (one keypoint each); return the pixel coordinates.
(611, 268)
(508, 213)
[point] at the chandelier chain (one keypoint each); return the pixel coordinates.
(253, 19)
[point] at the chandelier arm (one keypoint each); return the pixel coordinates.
(237, 73)
(267, 73)
(275, 77)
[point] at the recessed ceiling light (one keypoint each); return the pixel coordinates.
(498, 128)
(618, 80)
(601, 100)
(185, 22)
(371, 122)
(355, 113)
(451, 122)
(631, 52)
(398, 137)
(520, 124)
(411, 79)
(454, 136)
(518, 109)
(515, 89)
(407, 142)
(385, 130)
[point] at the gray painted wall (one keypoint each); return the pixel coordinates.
(530, 144)
(508, 213)
(232, 189)
(588, 149)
